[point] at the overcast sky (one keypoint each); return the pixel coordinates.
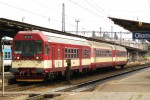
(91, 13)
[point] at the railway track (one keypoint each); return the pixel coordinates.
(9, 86)
(22, 86)
(15, 87)
(90, 85)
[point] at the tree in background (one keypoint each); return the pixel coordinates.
(93, 34)
(115, 36)
(104, 35)
(142, 41)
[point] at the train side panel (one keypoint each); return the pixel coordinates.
(101, 55)
(121, 56)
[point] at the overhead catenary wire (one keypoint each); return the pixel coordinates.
(60, 13)
(66, 15)
(89, 10)
(56, 11)
(49, 18)
(95, 8)
(35, 13)
(100, 8)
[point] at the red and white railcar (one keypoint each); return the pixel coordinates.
(106, 55)
(101, 55)
(121, 56)
(37, 55)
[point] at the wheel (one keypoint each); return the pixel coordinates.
(122, 66)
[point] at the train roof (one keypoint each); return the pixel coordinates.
(120, 48)
(56, 38)
(100, 45)
(106, 46)
(65, 39)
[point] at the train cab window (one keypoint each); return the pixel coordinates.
(28, 48)
(17, 47)
(47, 49)
(38, 47)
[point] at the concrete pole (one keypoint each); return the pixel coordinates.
(111, 32)
(2, 65)
(100, 32)
(0, 56)
(120, 37)
(77, 21)
(63, 17)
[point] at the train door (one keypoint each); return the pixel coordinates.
(63, 59)
(47, 53)
(113, 55)
(59, 56)
(80, 59)
(53, 56)
(94, 57)
(63, 55)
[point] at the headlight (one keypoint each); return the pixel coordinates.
(17, 57)
(37, 57)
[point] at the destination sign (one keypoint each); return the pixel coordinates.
(141, 34)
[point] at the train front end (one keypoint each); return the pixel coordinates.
(28, 56)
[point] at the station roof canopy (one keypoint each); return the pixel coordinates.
(10, 28)
(131, 25)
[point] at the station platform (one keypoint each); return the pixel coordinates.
(134, 87)
(8, 77)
